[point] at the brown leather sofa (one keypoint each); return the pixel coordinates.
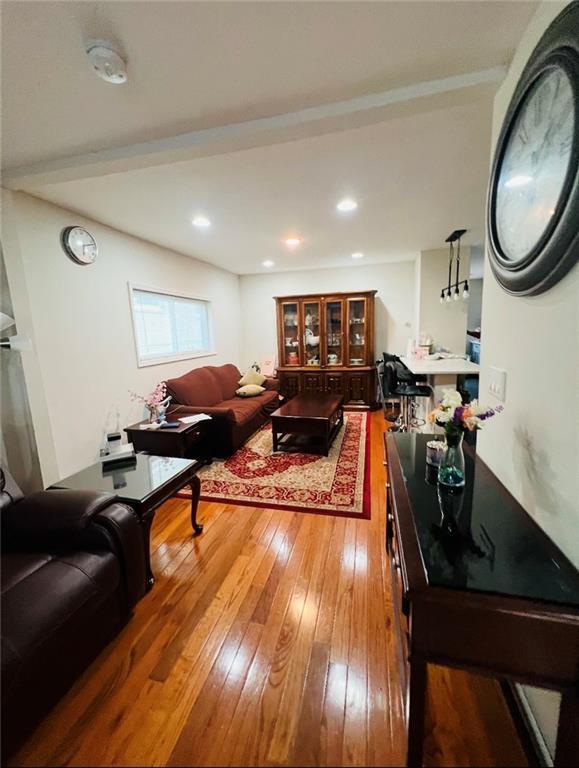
(72, 570)
(211, 390)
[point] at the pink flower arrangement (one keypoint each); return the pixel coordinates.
(154, 399)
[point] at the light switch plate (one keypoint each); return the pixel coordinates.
(498, 383)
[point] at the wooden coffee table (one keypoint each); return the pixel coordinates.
(307, 422)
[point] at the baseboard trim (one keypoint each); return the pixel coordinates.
(531, 741)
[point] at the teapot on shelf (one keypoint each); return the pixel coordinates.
(310, 339)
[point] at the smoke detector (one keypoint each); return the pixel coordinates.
(106, 62)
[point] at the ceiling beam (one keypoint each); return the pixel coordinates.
(325, 118)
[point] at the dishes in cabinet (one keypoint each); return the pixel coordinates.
(311, 340)
(311, 320)
(356, 361)
(290, 318)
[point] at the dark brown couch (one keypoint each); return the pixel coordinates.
(211, 390)
(73, 567)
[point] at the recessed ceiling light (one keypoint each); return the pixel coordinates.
(357, 255)
(268, 263)
(201, 222)
(293, 242)
(347, 205)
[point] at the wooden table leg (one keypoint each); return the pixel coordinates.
(195, 492)
(416, 712)
(567, 749)
(146, 523)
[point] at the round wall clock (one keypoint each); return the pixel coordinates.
(533, 200)
(79, 245)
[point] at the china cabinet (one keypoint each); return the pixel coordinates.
(326, 344)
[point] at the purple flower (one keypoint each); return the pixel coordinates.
(457, 417)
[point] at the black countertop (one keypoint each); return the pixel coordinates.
(481, 539)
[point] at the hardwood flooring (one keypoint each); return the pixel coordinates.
(266, 641)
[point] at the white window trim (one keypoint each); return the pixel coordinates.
(163, 359)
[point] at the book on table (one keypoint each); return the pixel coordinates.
(195, 418)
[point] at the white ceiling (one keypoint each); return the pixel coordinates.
(418, 173)
(415, 178)
(199, 64)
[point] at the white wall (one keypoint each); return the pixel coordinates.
(83, 363)
(446, 323)
(474, 312)
(394, 303)
(533, 447)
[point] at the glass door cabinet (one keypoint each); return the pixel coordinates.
(326, 345)
(357, 332)
(312, 325)
(334, 333)
(291, 351)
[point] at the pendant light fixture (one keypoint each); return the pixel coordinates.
(452, 290)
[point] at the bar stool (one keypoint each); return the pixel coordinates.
(389, 400)
(407, 390)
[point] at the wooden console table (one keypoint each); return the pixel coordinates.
(477, 585)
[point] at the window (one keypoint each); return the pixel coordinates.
(169, 327)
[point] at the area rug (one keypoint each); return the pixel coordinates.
(338, 484)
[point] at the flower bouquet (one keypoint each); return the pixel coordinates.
(156, 402)
(456, 418)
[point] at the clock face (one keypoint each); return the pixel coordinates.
(79, 245)
(535, 164)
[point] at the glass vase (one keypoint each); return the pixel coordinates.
(153, 413)
(451, 468)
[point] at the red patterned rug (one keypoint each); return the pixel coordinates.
(338, 484)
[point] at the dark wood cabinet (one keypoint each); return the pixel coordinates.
(476, 585)
(290, 384)
(334, 383)
(357, 388)
(326, 344)
(312, 383)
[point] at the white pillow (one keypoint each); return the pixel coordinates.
(251, 377)
(250, 390)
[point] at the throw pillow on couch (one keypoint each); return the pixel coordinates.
(249, 390)
(251, 377)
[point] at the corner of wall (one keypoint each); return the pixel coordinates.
(16, 278)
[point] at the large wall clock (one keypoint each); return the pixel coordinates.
(533, 199)
(79, 245)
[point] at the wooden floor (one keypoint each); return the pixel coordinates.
(266, 641)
